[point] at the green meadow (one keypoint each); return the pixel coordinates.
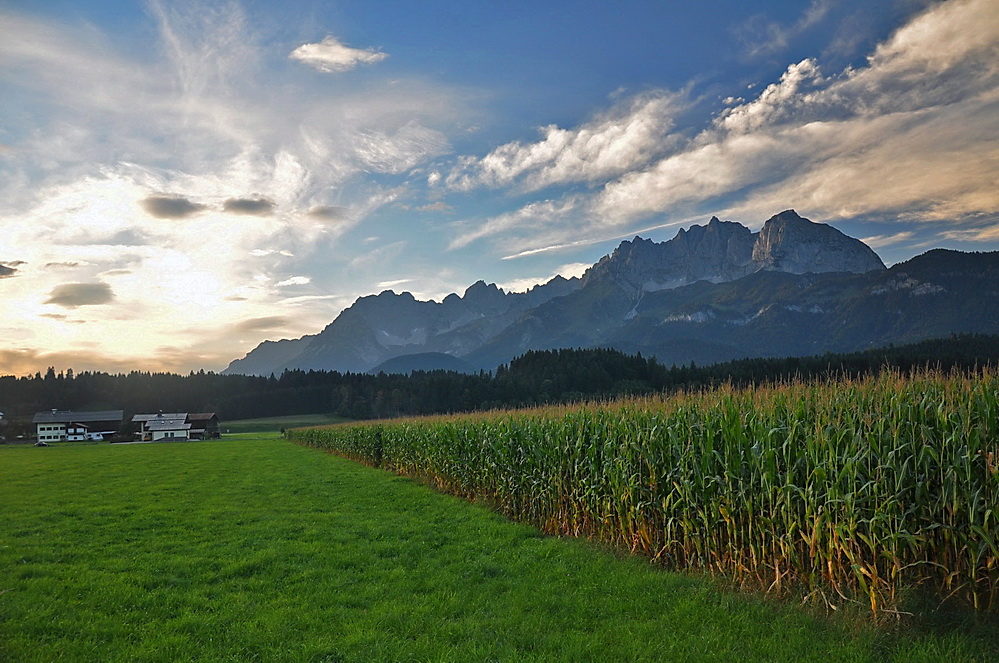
(275, 424)
(252, 548)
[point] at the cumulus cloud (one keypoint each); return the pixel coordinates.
(777, 102)
(626, 137)
(251, 206)
(171, 207)
(72, 295)
(331, 56)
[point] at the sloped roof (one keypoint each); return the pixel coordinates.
(70, 417)
(168, 424)
(201, 416)
(159, 415)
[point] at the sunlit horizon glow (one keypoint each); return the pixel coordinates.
(182, 181)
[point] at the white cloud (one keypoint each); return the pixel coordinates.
(532, 217)
(776, 101)
(975, 234)
(391, 284)
(331, 56)
(763, 37)
(626, 137)
(879, 241)
(294, 280)
(399, 151)
(381, 256)
(439, 206)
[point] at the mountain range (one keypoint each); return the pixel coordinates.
(712, 293)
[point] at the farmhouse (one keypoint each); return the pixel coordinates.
(68, 426)
(177, 426)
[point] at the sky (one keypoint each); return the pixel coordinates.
(181, 180)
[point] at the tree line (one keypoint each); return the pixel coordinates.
(535, 378)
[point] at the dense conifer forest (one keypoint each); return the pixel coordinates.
(536, 378)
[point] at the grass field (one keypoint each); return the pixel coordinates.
(255, 549)
(275, 424)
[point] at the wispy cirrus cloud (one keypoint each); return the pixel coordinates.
(394, 283)
(526, 223)
(761, 36)
(261, 324)
(332, 56)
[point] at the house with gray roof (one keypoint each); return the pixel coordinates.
(177, 426)
(69, 426)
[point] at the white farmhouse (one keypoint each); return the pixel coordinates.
(177, 426)
(162, 426)
(68, 426)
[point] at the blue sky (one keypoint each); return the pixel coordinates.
(183, 180)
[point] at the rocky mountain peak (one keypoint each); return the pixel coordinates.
(481, 297)
(717, 251)
(791, 243)
(481, 289)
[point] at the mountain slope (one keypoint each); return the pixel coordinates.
(712, 293)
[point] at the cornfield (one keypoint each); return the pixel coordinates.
(841, 490)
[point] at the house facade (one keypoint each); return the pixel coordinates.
(69, 426)
(177, 426)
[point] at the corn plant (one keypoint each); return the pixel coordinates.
(840, 489)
